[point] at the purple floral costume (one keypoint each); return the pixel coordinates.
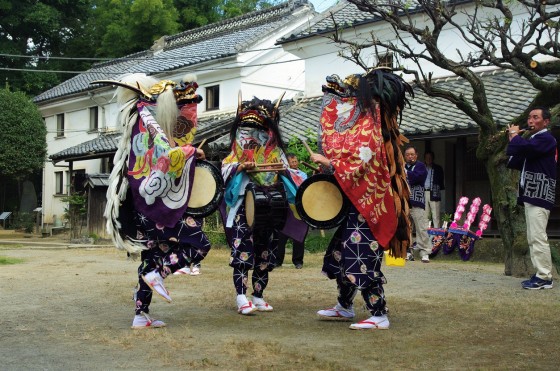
(169, 249)
(354, 259)
(251, 250)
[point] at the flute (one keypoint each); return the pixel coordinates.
(520, 131)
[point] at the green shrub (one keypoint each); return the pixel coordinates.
(24, 222)
(214, 230)
(315, 242)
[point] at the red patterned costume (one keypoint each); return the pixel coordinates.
(360, 140)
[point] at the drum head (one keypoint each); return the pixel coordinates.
(250, 207)
(206, 191)
(320, 202)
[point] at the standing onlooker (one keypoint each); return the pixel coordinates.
(298, 249)
(536, 158)
(433, 187)
(416, 174)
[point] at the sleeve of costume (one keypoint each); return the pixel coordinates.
(233, 189)
(297, 176)
(538, 146)
(515, 162)
(418, 174)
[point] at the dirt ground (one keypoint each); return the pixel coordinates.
(71, 309)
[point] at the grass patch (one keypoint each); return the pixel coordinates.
(6, 261)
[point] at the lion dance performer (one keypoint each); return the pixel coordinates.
(151, 181)
(256, 162)
(360, 141)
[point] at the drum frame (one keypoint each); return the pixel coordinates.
(274, 212)
(210, 207)
(321, 224)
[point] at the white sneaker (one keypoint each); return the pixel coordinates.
(143, 320)
(261, 305)
(195, 270)
(155, 281)
(426, 259)
(244, 306)
(372, 323)
(337, 313)
(182, 271)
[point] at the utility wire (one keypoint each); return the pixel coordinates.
(179, 69)
(117, 58)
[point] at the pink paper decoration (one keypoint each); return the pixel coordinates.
(459, 211)
(472, 213)
(484, 219)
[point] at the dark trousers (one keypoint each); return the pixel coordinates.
(297, 254)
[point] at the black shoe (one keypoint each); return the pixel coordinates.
(299, 266)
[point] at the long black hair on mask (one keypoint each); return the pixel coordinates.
(390, 89)
(267, 113)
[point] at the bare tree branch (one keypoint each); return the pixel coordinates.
(494, 35)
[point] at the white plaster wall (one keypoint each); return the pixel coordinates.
(76, 131)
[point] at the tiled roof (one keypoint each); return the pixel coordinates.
(509, 95)
(343, 15)
(215, 41)
(104, 145)
(97, 180)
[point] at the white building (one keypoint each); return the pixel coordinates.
(229, 56)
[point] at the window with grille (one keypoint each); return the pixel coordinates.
(106, 165)
(60, 125)
(59, 182)
(93, 118)
(385, 60)
(213, 97)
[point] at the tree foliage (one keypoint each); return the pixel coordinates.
(32, 30)
(23, 145)
(121, 27)
(515, 35)
(296, 147)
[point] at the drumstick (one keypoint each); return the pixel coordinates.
(202, 143)
(312, 167)
(307, 147)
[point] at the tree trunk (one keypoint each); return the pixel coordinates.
(509, 215)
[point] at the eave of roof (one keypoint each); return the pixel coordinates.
(103, 146)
